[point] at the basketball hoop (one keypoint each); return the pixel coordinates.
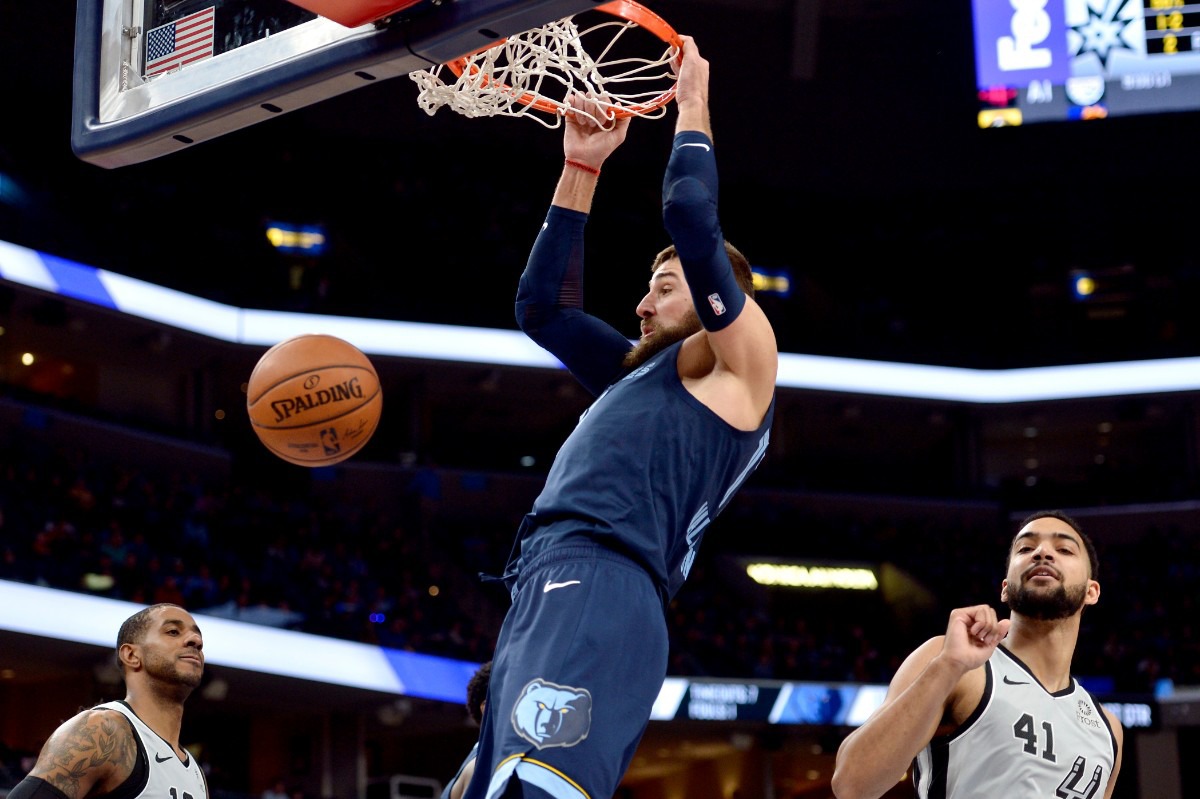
(539, 69)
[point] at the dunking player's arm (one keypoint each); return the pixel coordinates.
(731, 364)
(549, 306)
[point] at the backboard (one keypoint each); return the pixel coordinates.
(155, 76)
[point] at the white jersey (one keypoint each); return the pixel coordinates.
(166, 776)
(1021, 742)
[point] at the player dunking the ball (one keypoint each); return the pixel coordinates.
(681, 420)
(130, 749)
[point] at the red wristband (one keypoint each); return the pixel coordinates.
(584, 167)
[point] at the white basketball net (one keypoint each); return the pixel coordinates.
(546, 64)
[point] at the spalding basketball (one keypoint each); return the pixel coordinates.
(314, 400)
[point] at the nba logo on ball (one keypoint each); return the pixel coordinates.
(314, 400)
(329, 441)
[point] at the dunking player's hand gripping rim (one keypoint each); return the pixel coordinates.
(540, 69)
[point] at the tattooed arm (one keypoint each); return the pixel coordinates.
(89, 755)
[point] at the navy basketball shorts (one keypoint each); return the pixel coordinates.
(580, 660)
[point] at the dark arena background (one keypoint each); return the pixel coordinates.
(894, 220)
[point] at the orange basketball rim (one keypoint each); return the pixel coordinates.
(620, 107)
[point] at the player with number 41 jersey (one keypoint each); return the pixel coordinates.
(976, 718)
(1023, 740)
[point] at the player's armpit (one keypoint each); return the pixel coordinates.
(748, 349)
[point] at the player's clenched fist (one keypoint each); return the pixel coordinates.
(972, 635)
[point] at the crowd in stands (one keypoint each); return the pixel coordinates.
(228, 550)
(405, 576)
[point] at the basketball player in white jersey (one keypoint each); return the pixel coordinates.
(130, 749)
(977, 718)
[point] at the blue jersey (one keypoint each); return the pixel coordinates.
(644, 472)
(617, 526)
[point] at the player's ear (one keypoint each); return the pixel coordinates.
(1092, 596)
(1004, 590)
(130, 656)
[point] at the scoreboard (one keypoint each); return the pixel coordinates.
(1176, 27)
(1060, 60)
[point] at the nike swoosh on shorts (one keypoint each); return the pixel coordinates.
(695, 144)
(549, 586)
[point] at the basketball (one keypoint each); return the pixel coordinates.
(314, 400)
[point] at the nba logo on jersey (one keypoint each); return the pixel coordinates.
(715, 301)
(634, 375)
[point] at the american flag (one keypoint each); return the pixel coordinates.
(180, 43)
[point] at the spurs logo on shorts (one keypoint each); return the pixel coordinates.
(552, 715)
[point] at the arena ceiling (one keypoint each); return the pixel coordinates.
(850, 158)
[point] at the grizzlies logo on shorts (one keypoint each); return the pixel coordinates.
(547, 714)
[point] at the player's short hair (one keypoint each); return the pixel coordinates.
(477, 688)
(1093, 557)
(133, 629)
(741, 266)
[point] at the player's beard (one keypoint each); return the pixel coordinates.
(167, 672)
(662, 338)
(1058, 603)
